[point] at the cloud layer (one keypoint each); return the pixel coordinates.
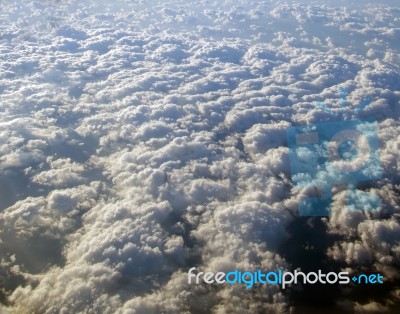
(139, 140)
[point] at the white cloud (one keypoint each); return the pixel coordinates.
(149, 137)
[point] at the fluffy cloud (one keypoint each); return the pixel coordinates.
(140, 140)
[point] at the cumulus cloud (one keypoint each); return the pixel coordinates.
(140, 140)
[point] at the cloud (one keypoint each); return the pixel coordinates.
(140, 140)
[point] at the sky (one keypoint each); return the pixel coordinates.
(139, 139)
